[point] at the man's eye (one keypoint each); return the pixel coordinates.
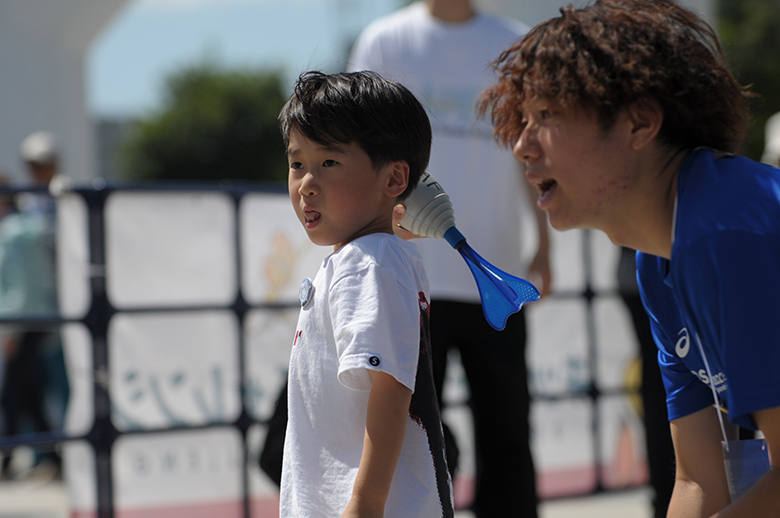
(523, 122)
(329, 163)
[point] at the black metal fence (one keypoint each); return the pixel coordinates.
(103, 433)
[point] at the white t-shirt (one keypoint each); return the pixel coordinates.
(368, 310)
(447, 67)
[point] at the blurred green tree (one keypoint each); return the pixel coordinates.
(750, 35)
(214, 125)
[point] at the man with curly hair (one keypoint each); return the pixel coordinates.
(627, 120)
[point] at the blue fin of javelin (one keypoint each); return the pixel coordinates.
(502, 294)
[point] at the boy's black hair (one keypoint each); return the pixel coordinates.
(380, 115)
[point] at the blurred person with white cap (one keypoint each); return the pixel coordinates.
(35, 385)
(41, 155)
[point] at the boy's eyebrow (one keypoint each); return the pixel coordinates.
(329, 148)
(333, 148)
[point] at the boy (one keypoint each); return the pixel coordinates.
(626, 118)
(364, 436)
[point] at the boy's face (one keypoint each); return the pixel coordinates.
(336, 193)
(578, 168)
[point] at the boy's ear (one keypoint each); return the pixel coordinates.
(397, 178)
(647, 117)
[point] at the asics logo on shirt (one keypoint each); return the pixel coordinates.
(683, 344)
(683, 347)
(718, 380)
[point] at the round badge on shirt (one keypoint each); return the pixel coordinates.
(306, 292)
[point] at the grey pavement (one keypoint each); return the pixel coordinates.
(41, 499)
(634, 503)
(33, 499)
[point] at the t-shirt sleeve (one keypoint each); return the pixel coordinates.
(685, 393)
(376, 324)
(739, 274)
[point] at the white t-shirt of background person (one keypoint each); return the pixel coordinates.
(368, 311)
(447, 67)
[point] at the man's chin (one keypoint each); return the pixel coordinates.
(559, 223)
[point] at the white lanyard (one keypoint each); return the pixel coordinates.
(674, 218)
(701, 349)
(714, 392)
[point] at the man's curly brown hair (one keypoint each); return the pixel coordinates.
(616, 52)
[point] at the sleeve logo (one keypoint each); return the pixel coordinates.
(683, 344)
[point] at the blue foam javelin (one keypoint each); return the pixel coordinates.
(502, 294)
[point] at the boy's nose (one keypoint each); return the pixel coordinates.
(308, 186)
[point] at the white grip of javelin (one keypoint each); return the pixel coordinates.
(429, 211)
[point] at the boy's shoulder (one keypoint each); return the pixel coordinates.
(379, 250)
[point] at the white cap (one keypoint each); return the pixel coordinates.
(772, 144)
(40, 148)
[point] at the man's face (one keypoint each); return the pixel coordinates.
(577, 167)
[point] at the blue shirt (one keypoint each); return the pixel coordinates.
(28, 282)
(720, 292)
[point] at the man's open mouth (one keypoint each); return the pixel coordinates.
(545, 186)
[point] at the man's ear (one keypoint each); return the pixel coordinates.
(397, 178)
(647, 117)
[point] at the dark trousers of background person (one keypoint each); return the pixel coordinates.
(273, 448)
(495, 367)
(658, 438)
(23, 393)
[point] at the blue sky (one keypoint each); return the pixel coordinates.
(150, 39)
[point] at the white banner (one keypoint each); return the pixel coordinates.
(176, 263)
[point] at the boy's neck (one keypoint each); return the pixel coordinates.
(451, 11)
(338, 246)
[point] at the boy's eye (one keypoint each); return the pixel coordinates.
(295, 165)
(329, 163)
